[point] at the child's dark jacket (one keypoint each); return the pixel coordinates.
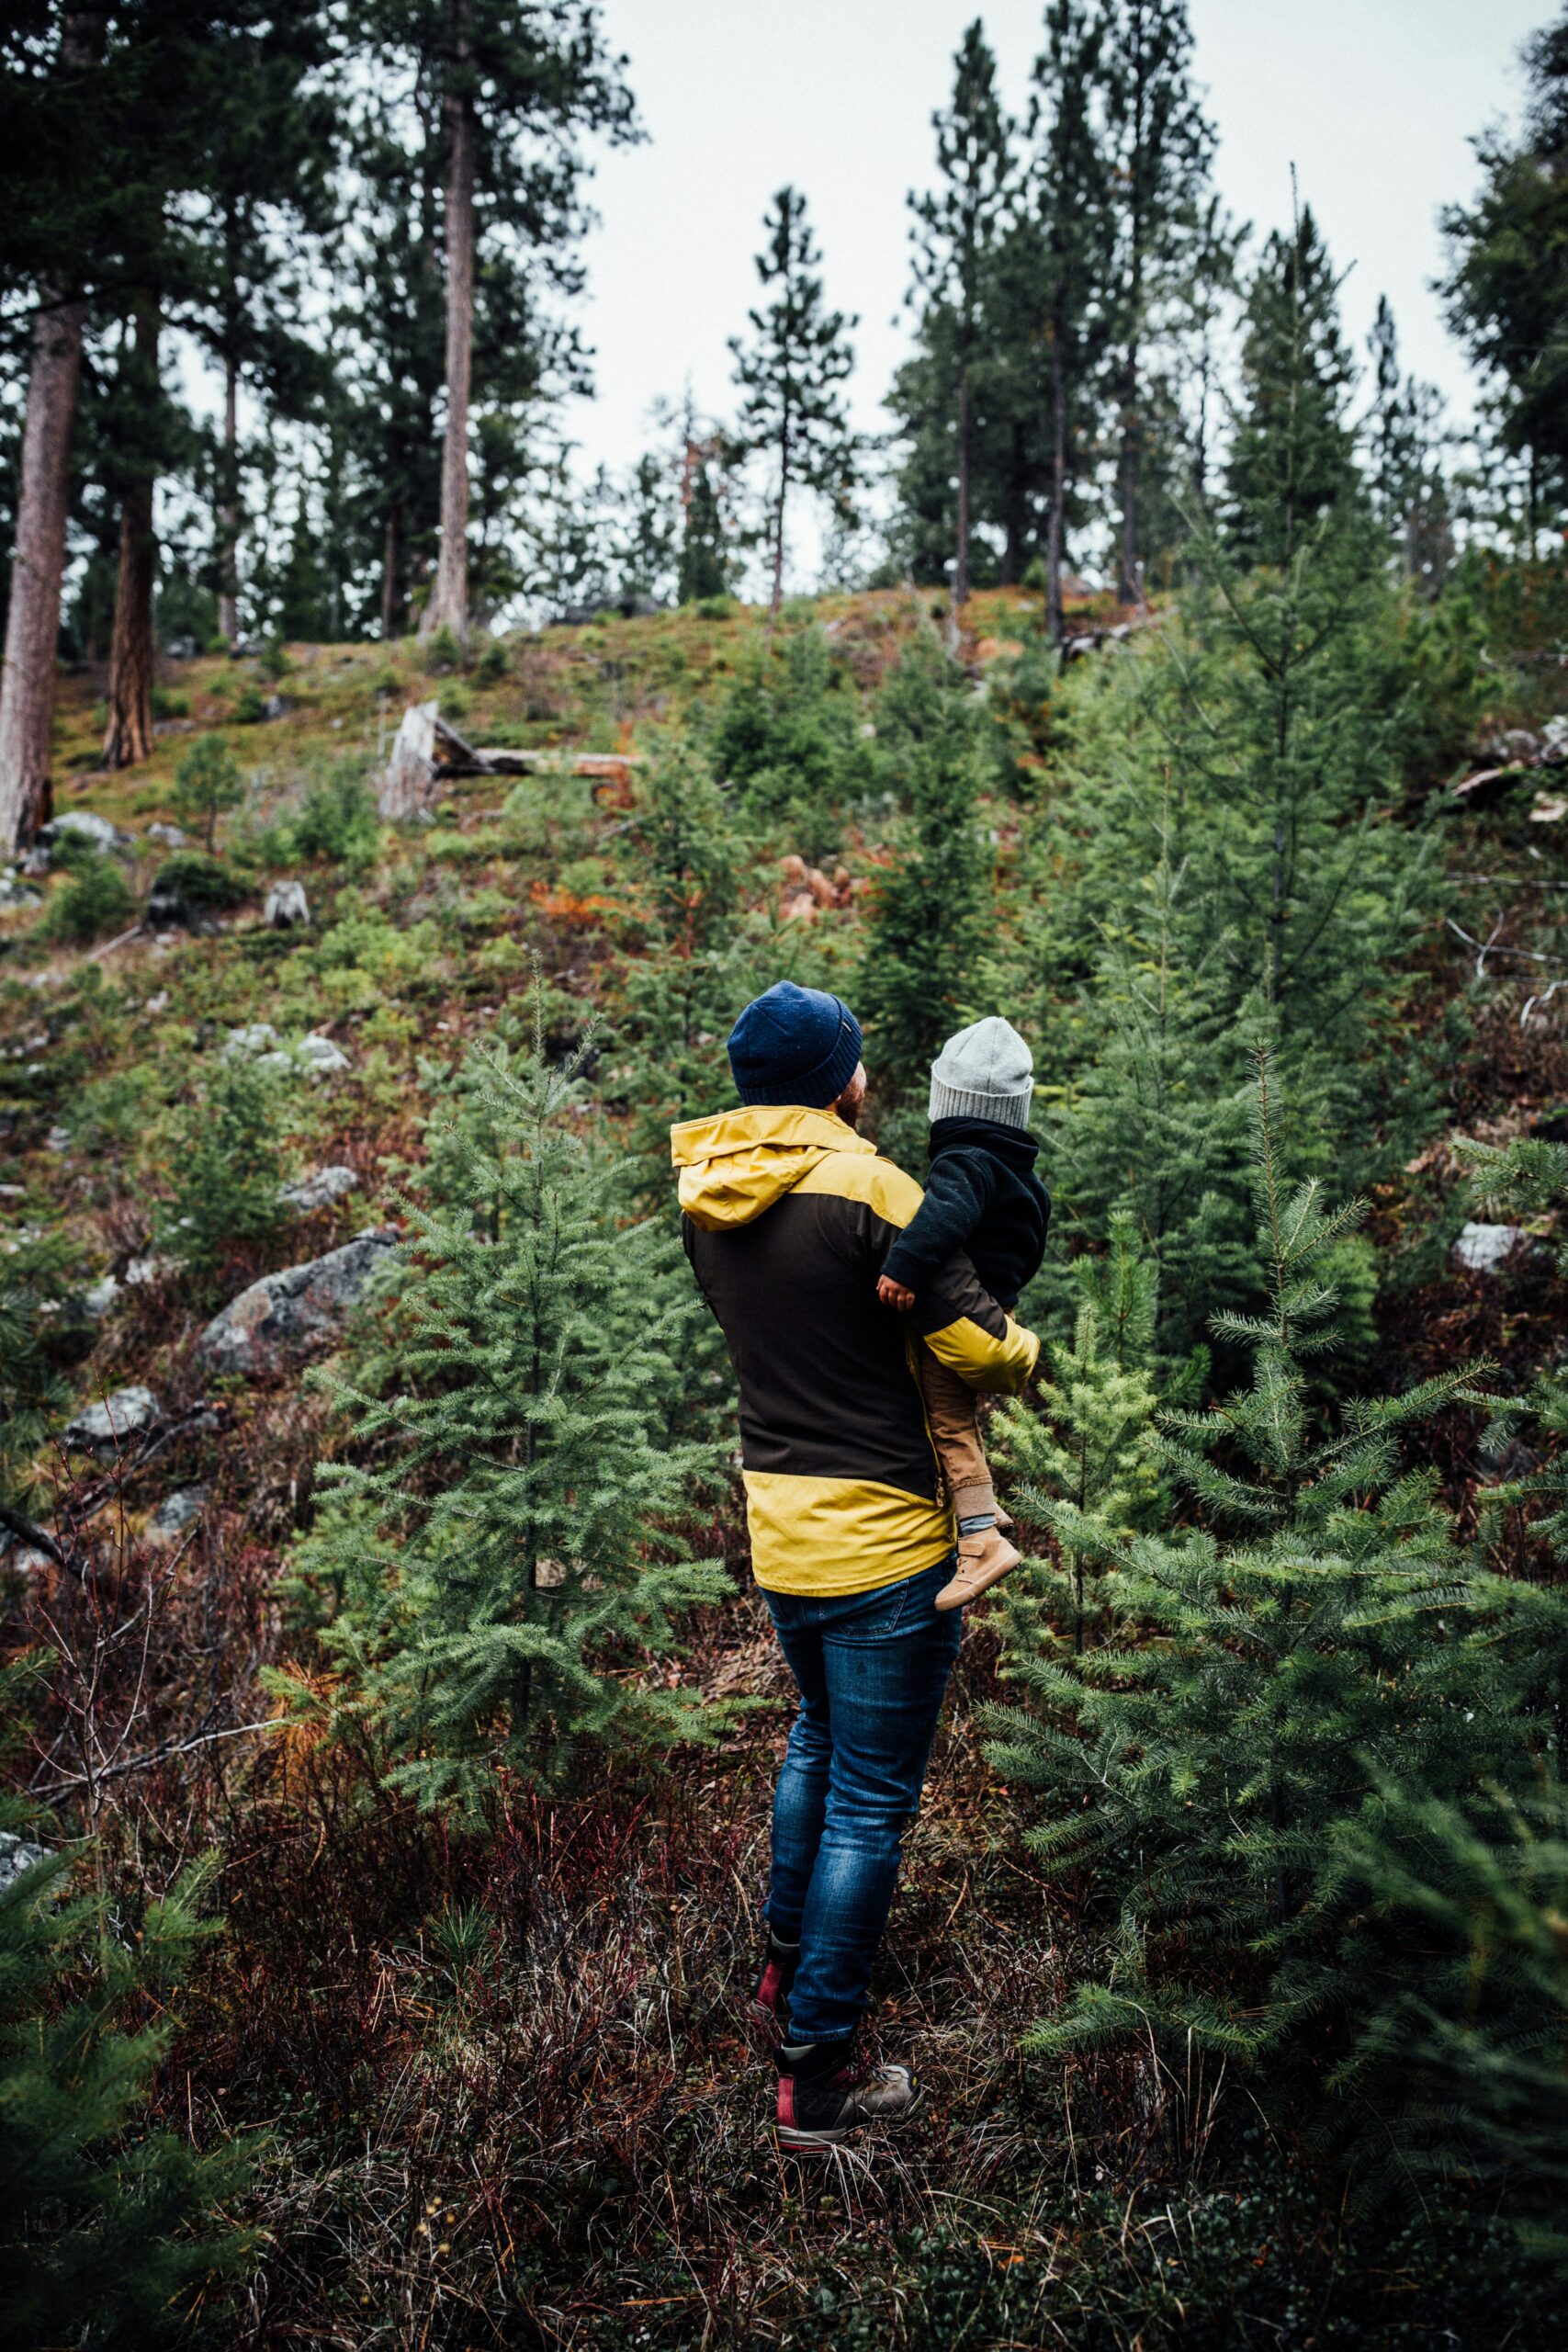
(982, 1197)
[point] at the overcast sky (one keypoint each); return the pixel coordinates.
(1374, 101)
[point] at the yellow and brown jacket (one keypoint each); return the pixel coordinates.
(788, 1216)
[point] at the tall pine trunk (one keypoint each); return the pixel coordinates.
(228, 509)
(32, 619)
(128, 735)
(448, 604)
(391, 570)
(32, 622)
(777, 597)
(1056, 526)
(1130, 586)
(961, 548)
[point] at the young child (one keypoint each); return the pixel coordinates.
(984, 1198)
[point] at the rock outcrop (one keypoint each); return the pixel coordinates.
(287, 1312)
(105, 1428)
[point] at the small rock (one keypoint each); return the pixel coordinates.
(16, 1855)
(1483, 1247)
(253, 1038)
(170, 836)
(318, 1055)
(97, 1301)
(176, 1512)
(85, 827)
(320, 1189)
(151, 1270)
(102, 1429)
(56, 1139)
(159, 1004)
(285, 906)
(17, 894)
(283, 1311)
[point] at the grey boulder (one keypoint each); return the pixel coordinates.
(1482, 1248)
(175, 1513)
(81, 825)
(286, 907)
(287, 1311)
(319, 1189)
(104, 1428)
(17, 1854)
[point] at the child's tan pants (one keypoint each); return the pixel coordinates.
(953, 1415)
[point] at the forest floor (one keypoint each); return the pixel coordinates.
(506, 2093)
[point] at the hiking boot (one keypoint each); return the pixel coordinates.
(767, 2009)
(824, 2096)
(982, 1558)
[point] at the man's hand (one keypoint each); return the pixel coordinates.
(893, 1294)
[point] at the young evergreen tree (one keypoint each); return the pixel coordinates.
(506, 1545)
(1254, 750)
(1154, 1121)
(1082, 1454)
(927, 919)
(1163, 147)
(790, 374)
(1293, 454)
(1268, 1663)
(110, 2234)
(1460, 2072)
(704, 568)
(956, 226)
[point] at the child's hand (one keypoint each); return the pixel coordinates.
(893, 1294)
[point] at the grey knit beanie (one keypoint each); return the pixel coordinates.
(985, 1072)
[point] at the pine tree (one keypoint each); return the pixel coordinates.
(1154, 1121)
(1164, 146)
(1404, 469)
(1253, 748)
(508, 1545)
(1266, 1666)
(1460, 2070)
(1293, 454)
(705, 570)
(1070, 246)
(57, 137)
(929, 912)
(790, 374)
(1081, 1453)
(957, 225)
(109, 2235)
(1507, 281)
(515, 91)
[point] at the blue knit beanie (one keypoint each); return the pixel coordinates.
(794, 1045)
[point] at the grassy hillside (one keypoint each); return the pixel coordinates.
(505, 2092)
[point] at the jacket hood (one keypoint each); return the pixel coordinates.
(738, 1163)
(1014, 1147)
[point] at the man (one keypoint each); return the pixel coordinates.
(788, 1217)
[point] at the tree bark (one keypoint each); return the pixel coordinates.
(960, 550)
(391, 562)
(228, 509)
(1130, 587)
(448, 604)
(128, 735)
(777, 598)
(32, 621)
(1056, 528)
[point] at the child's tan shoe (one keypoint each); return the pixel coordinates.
(983, 1559)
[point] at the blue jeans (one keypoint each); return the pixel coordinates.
(872, 1668)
